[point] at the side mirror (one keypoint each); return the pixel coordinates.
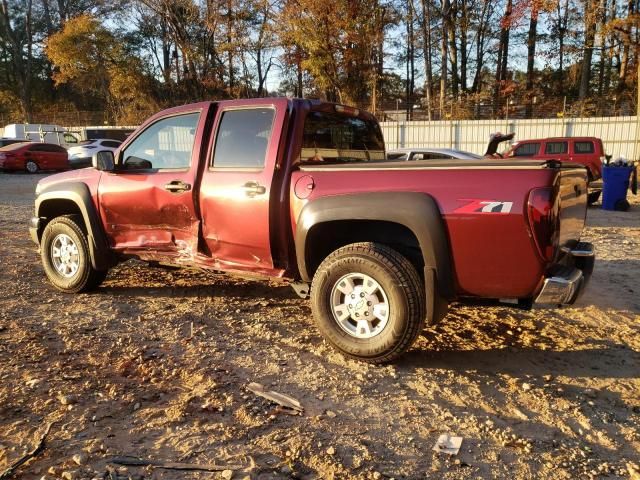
(103, 161)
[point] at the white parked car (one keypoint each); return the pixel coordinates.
(428, 153)
(80, 156)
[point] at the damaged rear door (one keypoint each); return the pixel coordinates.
(236, 185)
(148, 203)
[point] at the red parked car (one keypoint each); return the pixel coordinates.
(587, 151)
(33, 157)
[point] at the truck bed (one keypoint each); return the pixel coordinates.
(493, 252)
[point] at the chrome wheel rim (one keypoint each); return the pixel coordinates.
(359, 305)
(65, 255)
(32, 167)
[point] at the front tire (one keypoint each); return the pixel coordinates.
(31, 166)
(368, 302)
(65, 256)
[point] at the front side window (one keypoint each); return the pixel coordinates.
(583, 147)
(526, 150)
(243, 138)
(555, 148)
(166, 144)
(336, 138)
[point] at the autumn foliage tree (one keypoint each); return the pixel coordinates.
(95, 62)
(334, 40)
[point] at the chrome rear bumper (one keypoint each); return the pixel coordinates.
(567, 280)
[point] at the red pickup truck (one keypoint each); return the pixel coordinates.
(300, 190)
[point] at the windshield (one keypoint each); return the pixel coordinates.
(336, 138)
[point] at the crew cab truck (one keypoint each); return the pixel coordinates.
(300, 190)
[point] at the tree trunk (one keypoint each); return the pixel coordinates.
(531, 53)
(451, 21)
(410, 60)
(464, 27)
(230, 46)
(609, 66)
(166, 52)
(563, 22)
(626, 49)
(603, 48)
(503, 52)
(482, 25)
(426, 43)
(589, 37)
(443, 56)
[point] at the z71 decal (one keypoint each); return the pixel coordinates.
(484, 206)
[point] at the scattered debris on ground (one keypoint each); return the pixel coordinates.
(154, 366)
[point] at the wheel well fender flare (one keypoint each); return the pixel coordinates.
(79, 194)
(418, 212)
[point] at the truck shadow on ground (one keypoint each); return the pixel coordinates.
(596, 217)
(587, 362)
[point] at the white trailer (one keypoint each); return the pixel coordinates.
(39, 132)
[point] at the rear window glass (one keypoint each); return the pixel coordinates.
(555, 148)
(396, 156)
(243, 138)
(526, 149)
(335, 138)
(583, 147)
(430, 156)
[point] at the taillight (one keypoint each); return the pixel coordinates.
(543, 220)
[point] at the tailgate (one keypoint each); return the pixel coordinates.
(572, 197)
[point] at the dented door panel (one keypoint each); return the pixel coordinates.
(235, 194)
(154, 210)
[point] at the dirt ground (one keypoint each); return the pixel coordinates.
(535, 394)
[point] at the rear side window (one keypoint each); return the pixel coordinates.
(167, 144)
(555, 148)
(243, 138)
(111, 144)
(526, 150)
(46, 147)
(337, 138)
(583, 147)
(53, 148)
(430, 156)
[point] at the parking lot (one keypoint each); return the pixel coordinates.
(155, 365)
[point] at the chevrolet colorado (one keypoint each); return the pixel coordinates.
(300, 190)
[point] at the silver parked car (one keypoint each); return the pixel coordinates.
(428, 153)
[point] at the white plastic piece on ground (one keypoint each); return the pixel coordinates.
(448, 444)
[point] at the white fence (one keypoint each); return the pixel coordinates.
(617, 133)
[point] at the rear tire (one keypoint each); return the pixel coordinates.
(31, 166)
(65, 256)
(368, 302)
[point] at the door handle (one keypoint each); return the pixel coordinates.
(253, 188)
(177, 186)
